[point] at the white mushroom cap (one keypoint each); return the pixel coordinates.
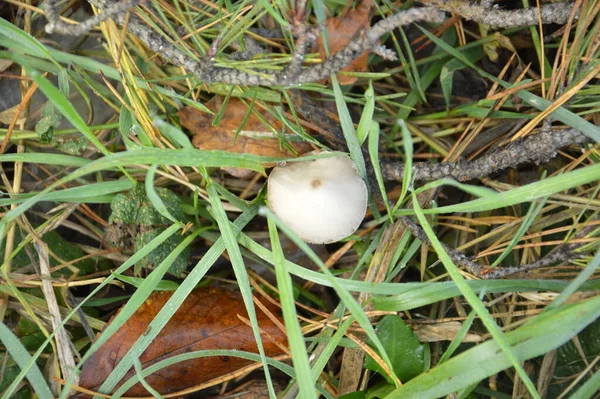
(323, 200)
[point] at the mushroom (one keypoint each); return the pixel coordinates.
(322, 200)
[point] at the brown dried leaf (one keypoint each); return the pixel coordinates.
(255, 138)
(207, 320)
(341, 30)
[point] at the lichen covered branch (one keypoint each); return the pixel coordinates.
(555, 13)
(208, 73)
(560, 254)
(205, 70)
(537, 148)
(55, 25)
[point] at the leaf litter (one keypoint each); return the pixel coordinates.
(209, 319)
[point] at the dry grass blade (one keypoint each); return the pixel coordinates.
(63, 341)
(134, 170)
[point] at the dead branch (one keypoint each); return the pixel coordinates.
(555, 13)
(365, 41)
(56, 25)
(537, 148)
(562, 253)
(205, 70)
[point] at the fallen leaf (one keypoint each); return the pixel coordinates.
(340, 31)
(254, 138)
(207, 320)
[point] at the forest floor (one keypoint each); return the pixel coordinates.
(143, 255)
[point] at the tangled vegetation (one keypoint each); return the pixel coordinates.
(136, 138)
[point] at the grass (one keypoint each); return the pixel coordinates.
(122, 100)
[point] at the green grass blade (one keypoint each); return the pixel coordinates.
(407, 143)
(64, 106)
(345, 296)
(198, 354)
(152, 195)
(47, 159)
(412, 295)
(182, 292)
(532, 213)
(181, 157)
(21, 356)
(366, 118)
(460, 335)
(427, 78)
(21, 39)
(411, 69)
(89, 193)
(577, 282)
(348, 129)
(290, 317)
(374, 154)
(544, 333)
(589, 388)
(428, 293)
(174, 134)
(474, 301)
(562, 114)
(330, 347)
(164, 285)
(239, 269)
(519, 195)
(138, 372)
(477, 191)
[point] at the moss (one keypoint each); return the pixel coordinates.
(135, 221)
(49, 121)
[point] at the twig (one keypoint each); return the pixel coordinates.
(306, 36)
(537, 148)
(56, 25)
(561, 253)
(312, 112)
(456, 256)
(556, 13)
(365, 41)
(208, 73)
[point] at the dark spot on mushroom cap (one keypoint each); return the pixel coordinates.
(316, 183)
